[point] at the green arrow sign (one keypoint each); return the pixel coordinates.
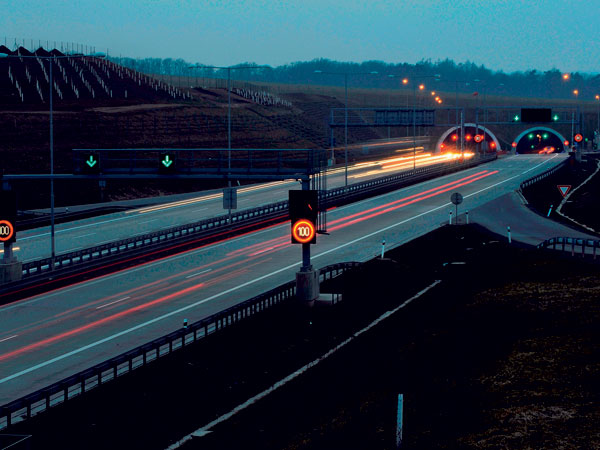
(167, 161)
(91, 162)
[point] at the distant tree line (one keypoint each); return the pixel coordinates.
(466, 77)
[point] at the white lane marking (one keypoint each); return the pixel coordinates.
(200, 302)
(128, 272)
(64, 230)
(83, 235)
(548, 160)
(116, 275)
(203, 430)
(198, 273)
(112, 303)
(201, 209)
(7, 338)
(148, 221)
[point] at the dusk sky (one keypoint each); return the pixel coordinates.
(504, 35)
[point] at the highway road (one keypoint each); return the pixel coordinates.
(50, 336)
(35, 244)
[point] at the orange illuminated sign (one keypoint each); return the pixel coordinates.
(303, 231)
(7, 230)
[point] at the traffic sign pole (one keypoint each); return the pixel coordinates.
(10, 268)
(303, 208)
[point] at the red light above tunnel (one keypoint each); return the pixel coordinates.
(468, 137)
(454, 137)
(492, 145)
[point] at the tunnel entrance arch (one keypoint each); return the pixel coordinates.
(485, 130)
(541, 128)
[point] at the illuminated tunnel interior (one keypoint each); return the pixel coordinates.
(476, 139)
(539, 140)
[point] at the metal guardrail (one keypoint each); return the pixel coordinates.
(401, 179)
(542, 175)
(575, 246)
(218, 224)
(192, 230)
(83, 381)
(75, 385)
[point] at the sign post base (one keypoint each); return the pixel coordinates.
(307, 286)
(10, 271)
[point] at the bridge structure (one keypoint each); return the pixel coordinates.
(522, 129)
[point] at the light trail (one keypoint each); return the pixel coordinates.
(75, 331)
(410, 202)
(259, 249)
(76, 313)
(422, 160)
(451, 184)
(253, 253)
(206, 198)
(149, 254)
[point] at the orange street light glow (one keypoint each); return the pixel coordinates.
(405, 81)
(576, 91)
(421, 87)
(566, 76)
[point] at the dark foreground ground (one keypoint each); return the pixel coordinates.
(503, 353)
(582, 205)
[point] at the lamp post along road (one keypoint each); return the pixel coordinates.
(421, 87)
(52, 59)
(229, 69)
(598, 103)
(345, 74)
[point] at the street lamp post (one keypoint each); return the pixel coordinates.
(345, 74)
(576, 93)
(456, 82)
(229, 69)
(598, 124)
(421, 87)
(51, 60)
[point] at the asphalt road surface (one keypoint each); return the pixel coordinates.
(35, 244)
(53, 335)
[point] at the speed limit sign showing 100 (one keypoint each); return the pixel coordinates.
(7, 231)
(303, 231)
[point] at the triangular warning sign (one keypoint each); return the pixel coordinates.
(564, 189)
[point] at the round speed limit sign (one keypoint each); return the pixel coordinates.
(303, 231)
(7, 230)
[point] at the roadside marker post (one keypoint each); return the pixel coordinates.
(399, 420)
(450, 218)
(382, 248)
(550, 211)
(467, 216)
(509, 238)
